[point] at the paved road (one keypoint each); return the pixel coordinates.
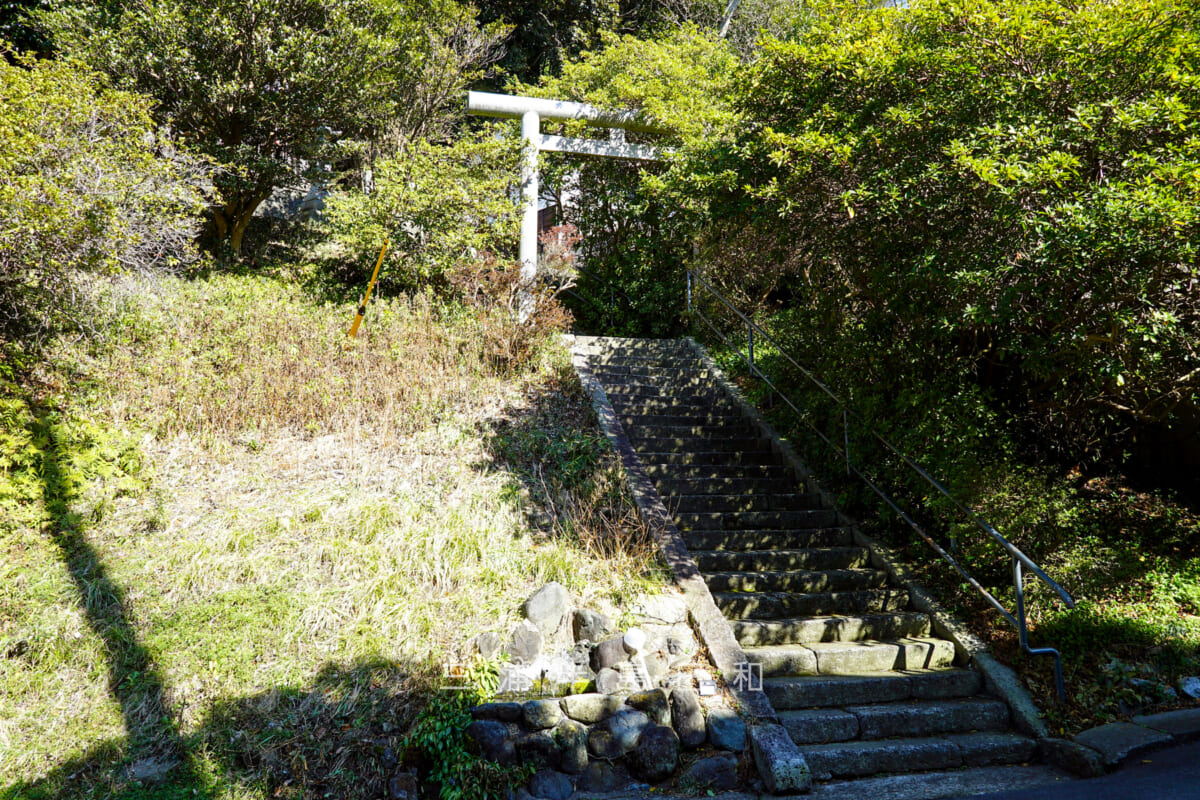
(1172, 774)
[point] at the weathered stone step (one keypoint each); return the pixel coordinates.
(929, 717)
(847, 628)
(724, 485)
(795, 580)
(681, 383)
(853, 658)
(721, 424)
(708, 459)
(629, 405)
(663, 444)
(734, 503)
(814, 558)
(967, 782)
(742, 541)
(755, 520)
(702, 433)
(857, 759)
(702, 472)
(650, 372)
(619, 344)
(651, 358)
(778, 605)
(885, 687)
(696, 394)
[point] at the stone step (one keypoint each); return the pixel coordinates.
(829, 580)
(664, 444)
(966, 782)
(720, 424)
(742, 541)
(708, 459)
(929, 717)
(755, 520)
(701, 472)
(648, 358)
(853, 658)
(727, 485)
(679, 383)
(734, 503)
(813, 558)
(778, 605)
(697, 394)
(701, 433)
(651, 372)
(627, 345)
(629, 405)
(884, 687)
(845, 628)
(859, 758)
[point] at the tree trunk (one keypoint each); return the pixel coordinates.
(231, 220)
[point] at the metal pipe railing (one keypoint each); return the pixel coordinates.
(1020, 561)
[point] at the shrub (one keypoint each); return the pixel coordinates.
(87, 185)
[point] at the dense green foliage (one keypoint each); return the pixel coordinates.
(87, 185)
(439, 206)
(634, 244)
(992, 194)
(269, 89)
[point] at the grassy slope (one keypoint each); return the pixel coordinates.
(231, 535)
(1128, 557)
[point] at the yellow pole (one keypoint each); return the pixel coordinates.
(362, 309)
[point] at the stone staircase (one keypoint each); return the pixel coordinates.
(853, 670)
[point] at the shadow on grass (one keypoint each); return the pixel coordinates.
(339, 737)
(552, 448)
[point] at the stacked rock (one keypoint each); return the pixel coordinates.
(602, 742)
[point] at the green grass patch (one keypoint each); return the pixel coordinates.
(238, 549)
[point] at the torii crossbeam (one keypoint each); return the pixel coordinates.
(531, 111)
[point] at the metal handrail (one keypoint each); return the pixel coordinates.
(1020, 561)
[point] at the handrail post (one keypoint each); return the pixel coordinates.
(689, 291)
(750, 339)
(846, 437)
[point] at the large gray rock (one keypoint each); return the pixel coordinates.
(492, 741)
(667, 609)
(726, 730)
(717, 773)
(590, 708)
(538, 749)
(525, 642)
(609, 681)
(626, 726)
(1190, 686)
(541, 714)
(601, 778)
(504, 712)
(653, 703)
(603, 745)
(572, 738)
(550, 785)
(547, 608)
(656, 756)
(687, 717)
(609, 653)
(589, 626)
(488, 644)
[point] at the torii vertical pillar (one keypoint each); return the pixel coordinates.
(531, 123)
(531, 111)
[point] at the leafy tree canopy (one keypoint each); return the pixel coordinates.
(268, 87)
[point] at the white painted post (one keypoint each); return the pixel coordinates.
(528, 253)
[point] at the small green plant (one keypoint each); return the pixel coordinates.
(438, 742)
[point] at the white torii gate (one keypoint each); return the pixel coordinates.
(531, 111)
